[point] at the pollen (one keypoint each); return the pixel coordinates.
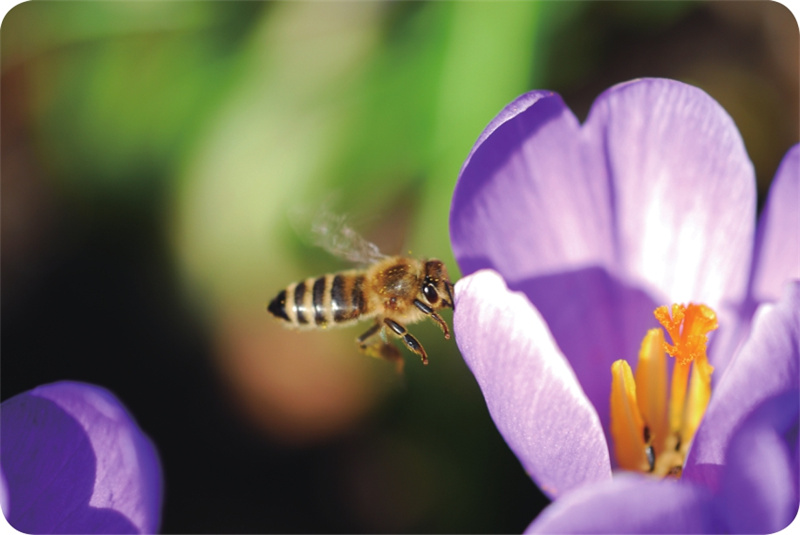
(652, 426)
(688, 327)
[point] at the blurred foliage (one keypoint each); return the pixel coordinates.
(154, 153)
(116, 90)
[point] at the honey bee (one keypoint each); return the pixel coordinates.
(394, 291)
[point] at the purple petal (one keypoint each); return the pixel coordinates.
(4, 495)
(650, 202)
(595, 320)
(759, 486)
(776, 258)
(631, 504)
(530, 389)
(778, 242)
(76, 462)
(525, 206)
(656, 186)
(683, 190)
(524, 203)
(767, 364)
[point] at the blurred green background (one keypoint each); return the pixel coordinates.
(153, 154)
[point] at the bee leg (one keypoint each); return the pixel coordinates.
(434, 316)
(408, 339)
(386, 351)
(381, 349)
(370, 332)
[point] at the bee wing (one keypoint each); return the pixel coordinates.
(332, 233)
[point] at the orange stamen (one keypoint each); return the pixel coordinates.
(688, 328)
(652, 434)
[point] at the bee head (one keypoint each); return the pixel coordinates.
(436, 286)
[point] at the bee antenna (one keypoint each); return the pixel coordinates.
(450, 291)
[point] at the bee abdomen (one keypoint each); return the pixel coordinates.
(278, 306)
(339, 299)
(322, 301)
(347, 297)
(292, 305)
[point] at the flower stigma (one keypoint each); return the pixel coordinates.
(652, 426)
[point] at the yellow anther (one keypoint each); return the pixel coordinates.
(651, 431)
(696, 403)
(627, 426)
(651, 387)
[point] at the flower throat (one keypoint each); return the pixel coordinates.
(652, 426)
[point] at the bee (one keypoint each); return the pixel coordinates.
(394, 291)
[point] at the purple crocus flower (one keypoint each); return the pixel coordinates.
(569, 237)
(74, 461)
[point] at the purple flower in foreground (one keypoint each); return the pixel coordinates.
(569, 237)
(74, 461)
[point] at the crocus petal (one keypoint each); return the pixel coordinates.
(533, 204)
(777, 256)
(530, 389)
(651, 202)
(526, 202)
(630, 504)
(656, 186)
(683, 189)
(4, 495)
(76, 462)
(595, 320)
(759, 487)
(767, 364)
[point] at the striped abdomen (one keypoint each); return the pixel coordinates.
(330, 299)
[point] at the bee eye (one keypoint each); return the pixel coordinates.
(429, 290)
